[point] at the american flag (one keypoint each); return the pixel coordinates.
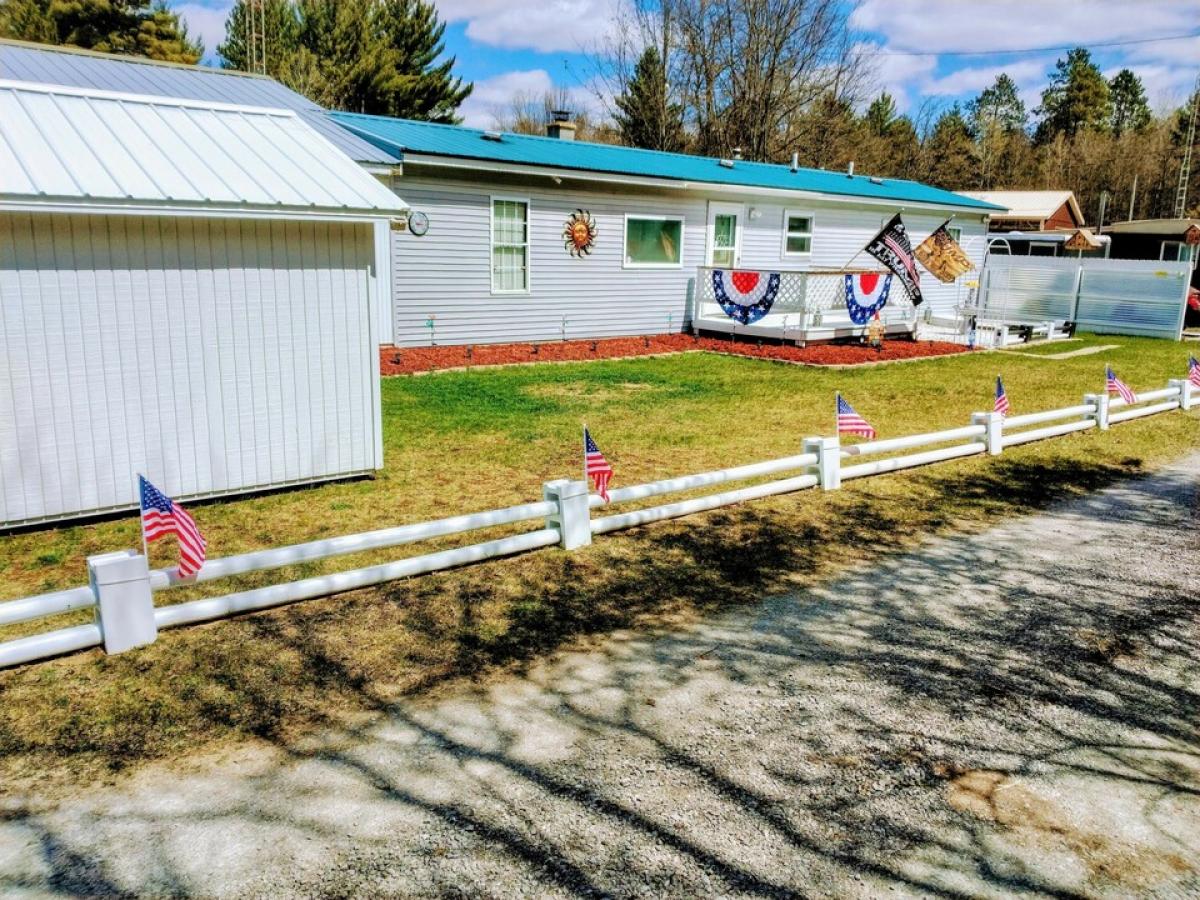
(162, 516)
(850, 422)
(595, 465)
(1001, 398)
(1194, 371)
(1116, 385)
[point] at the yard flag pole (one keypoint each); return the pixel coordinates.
(586, 481)
(138, 479)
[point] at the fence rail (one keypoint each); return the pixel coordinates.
(122, 586)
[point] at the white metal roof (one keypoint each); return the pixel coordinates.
(68, 146)
(1028, 204)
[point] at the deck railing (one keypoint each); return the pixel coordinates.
(122, 587)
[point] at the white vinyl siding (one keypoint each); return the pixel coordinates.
(212, 355)
(653, 241)
(797, 232)
(510, 245)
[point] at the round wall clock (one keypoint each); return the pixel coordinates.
(418, 223)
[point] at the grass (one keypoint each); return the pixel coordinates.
(464, 441)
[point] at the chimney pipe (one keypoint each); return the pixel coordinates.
(850, 169)
(737, 152)
(796, 161)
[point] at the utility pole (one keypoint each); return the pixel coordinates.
(1185, 168)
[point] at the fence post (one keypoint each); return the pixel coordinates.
(1100, 401)
(572, 519)
(124, 601)
(1184, 386)
(994, 423)
(829, 460)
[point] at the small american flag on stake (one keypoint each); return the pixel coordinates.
(850, 422)
(595, 466)
(162, 516)
(1001, 405)
(1194, 371)
(1116, 386)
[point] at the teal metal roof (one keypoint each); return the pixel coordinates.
(398, 136)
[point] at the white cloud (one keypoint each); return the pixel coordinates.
(940, 26)
(548, 27)
(492, 97)
(207, 22)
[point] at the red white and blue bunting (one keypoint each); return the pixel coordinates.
(745, 296)
(868, 297)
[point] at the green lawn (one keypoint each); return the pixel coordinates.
(463, 441)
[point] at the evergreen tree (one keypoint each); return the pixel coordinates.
(133, 27)
(1130, 111)
(881, 115)
(950, 152)
(1077, 98)
(997, 107)
(374, 56)
(647, 116)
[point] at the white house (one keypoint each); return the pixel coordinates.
(187, 291)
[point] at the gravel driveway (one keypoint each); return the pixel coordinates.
(1008, 713)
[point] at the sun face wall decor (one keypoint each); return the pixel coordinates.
(579, 233)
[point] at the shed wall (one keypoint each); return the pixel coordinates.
(212, 355)
(447, 272)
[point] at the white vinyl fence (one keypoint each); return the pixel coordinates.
(122, 587)
(1108, 296)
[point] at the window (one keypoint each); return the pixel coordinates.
(653, 241)
(797, 233)
(956, 233)
(510, 245)
(1043, 248)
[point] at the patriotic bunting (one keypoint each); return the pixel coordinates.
(870, 295)
(744, 296)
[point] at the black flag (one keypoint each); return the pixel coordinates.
(891, 247)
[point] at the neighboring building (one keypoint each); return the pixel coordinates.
(492, 265)
(186, 291)
(1166, 239)
(1031, 210)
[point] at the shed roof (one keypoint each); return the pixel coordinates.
(1168, 227)
(65, 146)
(1029, 205)
(403, 136)
(40, 64)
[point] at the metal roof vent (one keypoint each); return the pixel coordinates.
(493, 136)
(726, 163)
(737, 152)
(850, 169)
(796, 162)
(875, 179)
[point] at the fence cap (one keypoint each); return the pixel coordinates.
(118, 567)
(565, 487)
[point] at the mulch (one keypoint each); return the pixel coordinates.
(412, 360)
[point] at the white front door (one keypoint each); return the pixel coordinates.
(725, 235)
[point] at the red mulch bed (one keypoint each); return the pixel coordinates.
(408, 360)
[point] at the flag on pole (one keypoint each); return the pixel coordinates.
(162, 516)
(1194, 371)
(1116, 386)
(1001, 405)
(892, 248)
(595, 465)
(942, 256)
(850, 422)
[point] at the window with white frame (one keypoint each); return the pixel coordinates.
(797, 232)
(653, 241)
(510, 245)
(956, 233)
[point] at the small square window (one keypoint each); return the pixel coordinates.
(797, 233)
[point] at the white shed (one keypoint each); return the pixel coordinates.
(187, 290)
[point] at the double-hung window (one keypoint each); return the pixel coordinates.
(510, 245)
(797, 233)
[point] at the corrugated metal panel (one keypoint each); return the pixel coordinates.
(81, 69)
(402, 135)
(447, 272)
(63, 145)
(213, 355)
(1029, 289)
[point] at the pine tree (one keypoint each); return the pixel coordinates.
(133, 27)
(1077, 98)
(647, 115)
(997, 107)
(881, 115)
(950, 152)
(374, 56)
(1130, 111)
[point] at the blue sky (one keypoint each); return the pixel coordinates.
(511, 46)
